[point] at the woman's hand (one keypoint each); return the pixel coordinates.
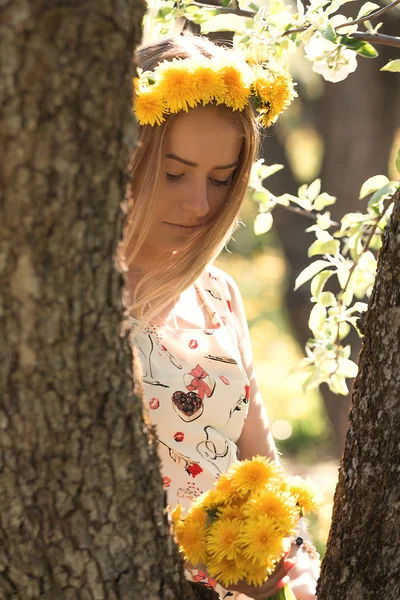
(273, 584)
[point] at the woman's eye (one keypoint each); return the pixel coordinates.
(172, 177)
(219, 182)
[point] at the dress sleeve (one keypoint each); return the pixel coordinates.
(256, 437)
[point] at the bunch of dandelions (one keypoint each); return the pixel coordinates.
(240, 529)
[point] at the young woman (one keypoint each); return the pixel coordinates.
(198, 140)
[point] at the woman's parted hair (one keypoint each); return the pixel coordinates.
(173, 274)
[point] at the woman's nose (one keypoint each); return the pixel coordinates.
(196, 200)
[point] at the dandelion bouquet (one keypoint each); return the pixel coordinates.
(241, 528)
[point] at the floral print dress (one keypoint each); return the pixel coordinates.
(197, 393)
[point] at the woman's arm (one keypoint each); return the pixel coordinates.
(256, 438)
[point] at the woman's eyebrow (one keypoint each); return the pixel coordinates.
(192, 164)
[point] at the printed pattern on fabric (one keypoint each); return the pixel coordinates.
(197, 393)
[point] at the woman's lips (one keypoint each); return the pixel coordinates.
(184, 229)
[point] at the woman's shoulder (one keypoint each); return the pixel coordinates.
(213, 275)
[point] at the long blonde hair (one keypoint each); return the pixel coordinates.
(173, 274)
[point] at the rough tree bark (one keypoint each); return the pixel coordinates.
(82, 507)
(362, 558)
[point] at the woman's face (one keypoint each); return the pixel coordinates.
(202, 153)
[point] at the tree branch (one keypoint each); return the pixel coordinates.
(228, 11)
(385, 40)
(377, 38)
(304, 213)
(372, 15)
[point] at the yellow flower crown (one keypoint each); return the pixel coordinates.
(181, 84)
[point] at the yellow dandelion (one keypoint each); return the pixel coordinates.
(276, 504)
(257, 572)
(209, 84)
(224, 485)
(226, 571)
(262, 86)
(176, 515)
(283, 92)
(306, 494)
(256, 55)
(275, 93)
(198, 514)
(265, 116)
(192, 539)
(230, 511)
(251, 476)
(223, 538)
(176, 83)
(210, 501)
(237, 91)
(261, 539)
(149, 106)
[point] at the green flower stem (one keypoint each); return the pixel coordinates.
(284, 593)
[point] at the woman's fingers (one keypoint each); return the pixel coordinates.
(273, 584)
(282, 570)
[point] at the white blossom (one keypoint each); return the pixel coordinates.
(333, 61)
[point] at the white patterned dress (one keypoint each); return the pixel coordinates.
(197, 393)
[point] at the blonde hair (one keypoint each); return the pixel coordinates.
(173, 274)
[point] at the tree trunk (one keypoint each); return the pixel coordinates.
(362, 559)
(82, 508)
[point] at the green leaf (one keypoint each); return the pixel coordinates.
(285, 593)
(226, 2)
(357, 307)
(337, 385)
(320, 247)
(393, 66)
(319, 281)
(282, 200)
(345, 297)
(384, 192)
(317, 318)
(363, 48)
(343, 330)
(367, 50)
(355, 245)
(329, 33)
(199, 16)
(310, 271)
(263, 223)
(224, 23)
(366, 9)
(286, 199)
(347, 367)
(327, 299)
(268, 170)
(323, 200)
(163, 12)
(335, 5)
(372, 184)
(314, 189)
(260, 196)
